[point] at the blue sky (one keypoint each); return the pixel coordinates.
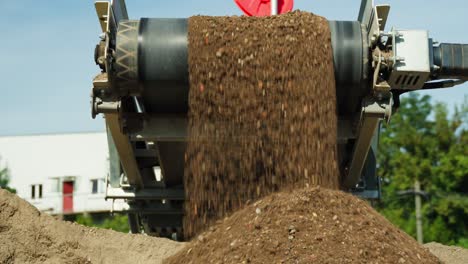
(46, 51)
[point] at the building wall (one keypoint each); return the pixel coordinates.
(48, 160)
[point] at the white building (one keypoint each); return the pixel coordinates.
(59, 174)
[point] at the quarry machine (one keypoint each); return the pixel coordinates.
(142, 91)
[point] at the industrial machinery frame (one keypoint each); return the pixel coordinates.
(142, 91)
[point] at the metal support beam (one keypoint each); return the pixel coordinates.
(163, 128)
(115, 169)
(145, 194)
(120, 10)
(365, 12)
(125, 150)
(373, 112)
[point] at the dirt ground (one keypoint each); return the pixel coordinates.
(448, 254)
(28, 236)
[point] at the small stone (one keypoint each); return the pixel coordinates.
(314, 214)
(401, 260)
(292, 230)
(291, 237)
(219, 53)
(335, 217)
(258, 211)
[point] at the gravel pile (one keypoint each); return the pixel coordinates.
(311, 225)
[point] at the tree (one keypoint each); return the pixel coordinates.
(116, 222)
(5, 180)
(423, 143)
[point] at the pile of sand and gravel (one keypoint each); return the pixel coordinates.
(28, 236)
(312, 225)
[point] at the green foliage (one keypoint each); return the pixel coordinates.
(5, 180)
(117, 222)
(424, 143)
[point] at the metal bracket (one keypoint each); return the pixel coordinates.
(109, 15)
(374, 18)
(379, 86)
(377, 23)
(107, 22)
(102, 11)
(373, 112)
(101, 107)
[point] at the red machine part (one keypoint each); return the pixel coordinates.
(263, 7)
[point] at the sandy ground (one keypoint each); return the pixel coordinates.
(28, 236)
(448, 254)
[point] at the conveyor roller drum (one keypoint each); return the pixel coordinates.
(151, 61)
